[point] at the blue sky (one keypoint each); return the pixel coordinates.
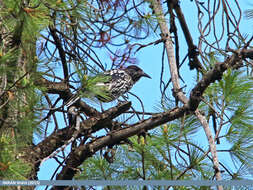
(150, 61)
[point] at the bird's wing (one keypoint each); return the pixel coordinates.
(120, 82)
(119, 79)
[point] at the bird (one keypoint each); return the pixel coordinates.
(119, 82)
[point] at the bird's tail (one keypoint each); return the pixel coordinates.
(72, 100)
(95, 86)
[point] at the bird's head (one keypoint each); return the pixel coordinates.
(136, 73)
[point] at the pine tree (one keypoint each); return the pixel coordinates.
(52, 50)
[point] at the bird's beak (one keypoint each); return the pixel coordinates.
(145, 75)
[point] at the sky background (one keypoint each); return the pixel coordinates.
(149, 60)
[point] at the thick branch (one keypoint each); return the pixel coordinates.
(59, 137)
(52, 87)
(77, 157)
(216, 74)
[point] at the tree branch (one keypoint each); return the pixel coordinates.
(83, 152)
(157, 7)
(192, 49)
(212, 145)
(61, 51)
(63, 90)
(59, 137)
